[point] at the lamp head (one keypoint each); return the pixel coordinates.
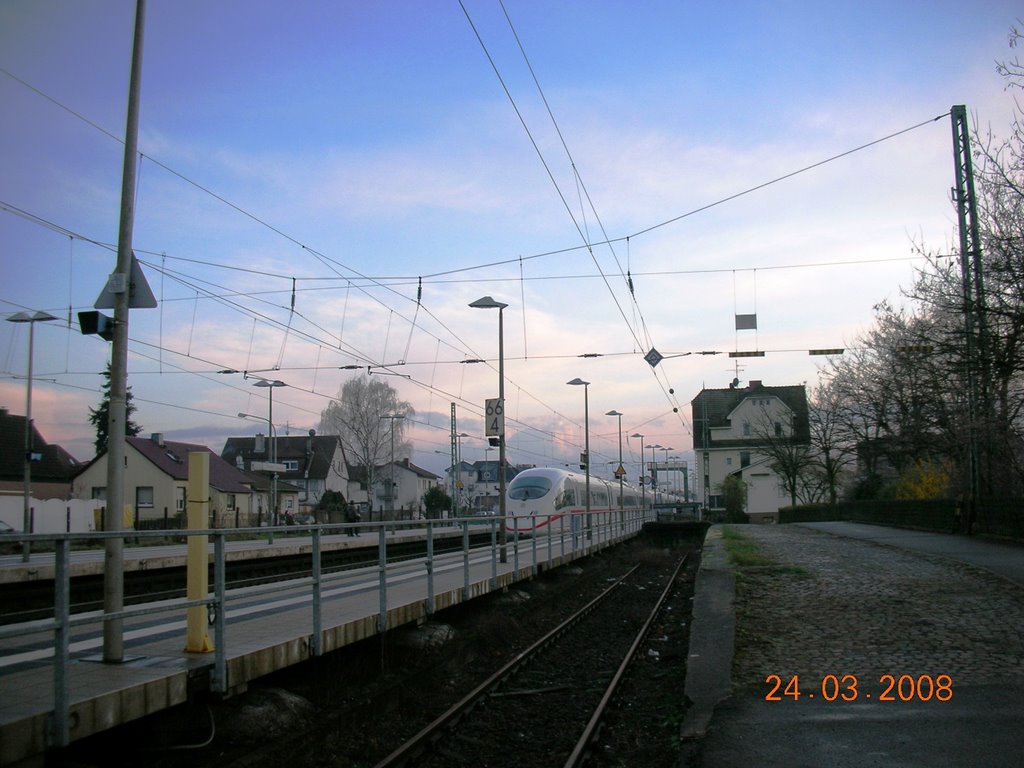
(487, 302)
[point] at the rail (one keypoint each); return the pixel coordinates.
(608, 528)
(420, 745)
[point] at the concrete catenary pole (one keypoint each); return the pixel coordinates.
(120, 286)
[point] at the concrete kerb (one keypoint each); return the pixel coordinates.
(712, 637)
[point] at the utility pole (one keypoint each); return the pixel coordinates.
(119, 285)
(971, 273)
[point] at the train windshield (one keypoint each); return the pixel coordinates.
(525, 488)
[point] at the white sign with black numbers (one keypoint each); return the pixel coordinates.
(494, 418)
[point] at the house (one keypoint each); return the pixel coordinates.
(52, 466)
(409, 482)
(730, 430)
(478, 487)
(266, 495)
(156, 484)
(312, 463)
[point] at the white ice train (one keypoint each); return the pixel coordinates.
(546, 498)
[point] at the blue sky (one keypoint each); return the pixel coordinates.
(366, 149)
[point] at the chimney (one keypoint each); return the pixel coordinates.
(157, 438)
(754, 384)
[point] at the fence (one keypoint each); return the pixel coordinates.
(993, 517)
(608, 528)
(50, 515)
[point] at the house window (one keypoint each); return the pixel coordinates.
(179, 502)
(728, 461)
(144, 497)
(229, 501)
(778, 429)
(291, 465)
(744, 458)
(99, 493)
(746, 429)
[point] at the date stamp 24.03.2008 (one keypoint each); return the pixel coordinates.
(848, 688)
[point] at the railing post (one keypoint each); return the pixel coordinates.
(61, 736)
(551, 543)
(494, 555)
(515, 554)
(220, 617)
(533, 542)
(465, 560)
(315, 642)
(430, 567)
(382, 565)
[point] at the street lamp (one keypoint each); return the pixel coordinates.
(578, 382)
(619, 470)
(391, 489)
(666, 450)
(654, 475)
(25, 317)
(643, 485)
(270, 425)
(487, 302)
(273, 448)
(457, 481)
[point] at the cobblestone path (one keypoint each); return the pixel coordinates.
(832, 605)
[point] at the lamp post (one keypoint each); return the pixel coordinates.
(457, 483)
(273, 448)
(666, 450)
(270, 425)
(643, 484)
(25, 317)
(578, 382)
(391, 489)
(487, 302)
(619, 470)
(654, 475)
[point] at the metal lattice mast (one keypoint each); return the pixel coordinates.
(971, 273)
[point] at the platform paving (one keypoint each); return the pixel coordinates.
(862, 601)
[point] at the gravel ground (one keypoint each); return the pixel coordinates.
(354, 707)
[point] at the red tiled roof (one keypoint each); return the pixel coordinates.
(171, 458)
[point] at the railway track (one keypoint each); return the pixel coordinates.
(547, 705)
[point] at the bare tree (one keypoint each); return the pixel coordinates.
(358, 416)
(787, 454)
(832, 453)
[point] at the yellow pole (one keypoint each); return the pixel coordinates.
(197, 578)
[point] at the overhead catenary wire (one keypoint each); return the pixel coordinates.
(321, 257)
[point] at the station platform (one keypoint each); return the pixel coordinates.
(142, 557)
(265, 635)
(842, 645)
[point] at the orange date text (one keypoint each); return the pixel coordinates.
(851, 688)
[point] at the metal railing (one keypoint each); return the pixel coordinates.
(608, 528)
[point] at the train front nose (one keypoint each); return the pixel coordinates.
(521, 515)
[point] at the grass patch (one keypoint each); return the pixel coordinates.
(743, 552)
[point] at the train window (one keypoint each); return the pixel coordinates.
(566, 498)
(523, 488)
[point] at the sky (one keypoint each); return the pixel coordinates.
(331, 184)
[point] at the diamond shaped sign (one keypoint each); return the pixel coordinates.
(653, 357)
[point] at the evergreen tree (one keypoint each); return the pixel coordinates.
(100, 417)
